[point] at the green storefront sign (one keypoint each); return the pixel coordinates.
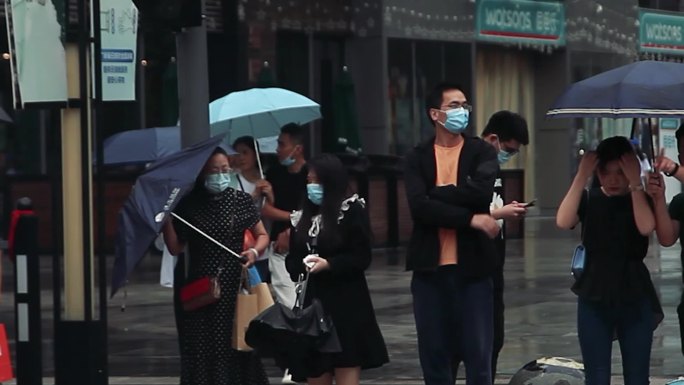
(661, 32)
(521, 21)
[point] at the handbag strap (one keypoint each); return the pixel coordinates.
(586, 214)
(300, 290)
(303, 282)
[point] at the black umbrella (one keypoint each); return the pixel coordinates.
(155, 194)
(294, 337)
(4, 116)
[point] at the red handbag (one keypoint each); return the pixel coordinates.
(248, 240)
(200, 293)
(5, 362)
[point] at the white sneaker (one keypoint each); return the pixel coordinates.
(287, 378)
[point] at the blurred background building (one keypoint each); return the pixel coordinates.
(517, 55)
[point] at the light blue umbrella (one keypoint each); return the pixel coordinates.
(260, 112)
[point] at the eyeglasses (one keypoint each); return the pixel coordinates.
(509, 150)
(455, 105)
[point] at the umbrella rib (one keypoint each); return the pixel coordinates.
(224, 247)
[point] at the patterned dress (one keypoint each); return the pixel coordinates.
(207, 357)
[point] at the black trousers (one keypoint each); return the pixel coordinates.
(498, 311)
(680, 314)
(446, 308)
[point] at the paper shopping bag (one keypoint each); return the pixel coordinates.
(264, 297)
(246, 308)
(5, 362)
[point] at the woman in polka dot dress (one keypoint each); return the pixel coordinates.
(205, 334)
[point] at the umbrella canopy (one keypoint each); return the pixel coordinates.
(345, 137)
(150, 144)
(4, 116)
(155, 194)
(260, 112)
(641, 89)
(141, 146)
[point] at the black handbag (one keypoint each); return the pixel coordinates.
(299, 330)
(294, 338)
(579, 255)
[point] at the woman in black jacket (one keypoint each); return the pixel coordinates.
(331, 236)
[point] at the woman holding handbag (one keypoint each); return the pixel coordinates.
(615, 294)
(340, 230)
(205, 333)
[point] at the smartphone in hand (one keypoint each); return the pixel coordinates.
(530, 203)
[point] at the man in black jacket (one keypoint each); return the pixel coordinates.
(449, 186)
(507, 132)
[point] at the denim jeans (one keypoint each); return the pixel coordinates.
(596, 325)
(453, 317)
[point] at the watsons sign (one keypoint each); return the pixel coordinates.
(661, 32)
(521, 21)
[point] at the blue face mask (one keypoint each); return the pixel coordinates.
(234, 182)
(504, 156)
(315, 193)
(216, 183)
(456, 120)
(289, 161)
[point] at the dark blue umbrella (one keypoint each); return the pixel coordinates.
(155, 194)
(638, 90)
(134, 147)
(141, 146)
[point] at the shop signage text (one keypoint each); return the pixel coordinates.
(521, 21)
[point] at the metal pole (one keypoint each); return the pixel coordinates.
(79, 359)
(193, 83)
(29, 370)
(101, 343)
(85, 154)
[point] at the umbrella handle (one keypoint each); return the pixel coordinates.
(258, 157)
(219, 244)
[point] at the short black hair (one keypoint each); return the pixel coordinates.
(247, 141)
(434, 98)
(611, 149)
(508, 125)
(295, 131)
(679, 134)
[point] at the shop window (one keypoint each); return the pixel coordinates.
(414, 67)
(429, 71)
(401, 94)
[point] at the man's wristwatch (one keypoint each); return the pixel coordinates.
(674, 170)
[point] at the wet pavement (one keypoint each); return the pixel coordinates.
(540, 314)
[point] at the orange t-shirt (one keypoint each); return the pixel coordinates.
(447, 173)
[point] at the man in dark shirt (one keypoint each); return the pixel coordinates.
(669, 219)
(288, 181)
(507, 132)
